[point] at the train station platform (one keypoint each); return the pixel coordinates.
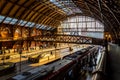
(26, 66)
(62, 51)
(114, 54)
(63, 64)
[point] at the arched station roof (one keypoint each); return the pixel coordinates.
(52, 12)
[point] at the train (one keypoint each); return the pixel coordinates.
(67, 68)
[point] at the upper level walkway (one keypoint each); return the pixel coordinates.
(77, 39)
(60, 38)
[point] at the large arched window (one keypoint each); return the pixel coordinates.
(82, 25)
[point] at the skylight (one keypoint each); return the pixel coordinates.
(31, 25)
(48, 28)
(7, 20)
(37, 25)
(1, 18)
(67, 6)
(28, 24)
(43, 27)
(40, 27)
(23, 23)
(13, 21)
(20, 22)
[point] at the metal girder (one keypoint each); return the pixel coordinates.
(69, 39)
(105, 16)
(34, 11)
(10, 11)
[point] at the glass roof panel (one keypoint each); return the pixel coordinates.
(31, 25)
(40, 27)
(37, 25)
(13, 21)
(1, 18)
(43, 27)
(7, 20)
(20, 22)
(28, 24)
(23, 23)
(48, 28)
(67, 6)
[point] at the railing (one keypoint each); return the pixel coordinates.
(100, 71)
(59, 38)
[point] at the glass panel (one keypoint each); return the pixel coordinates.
(67, 6)
(1, 18)
(20, 22)
(48, 28)
(7, 20)
(28, 24)
(52, 28)
(82, 25)
(43, 27)
(89, 24)
(13, 21)
(37, 25)
(23, 23)
(31, 25)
